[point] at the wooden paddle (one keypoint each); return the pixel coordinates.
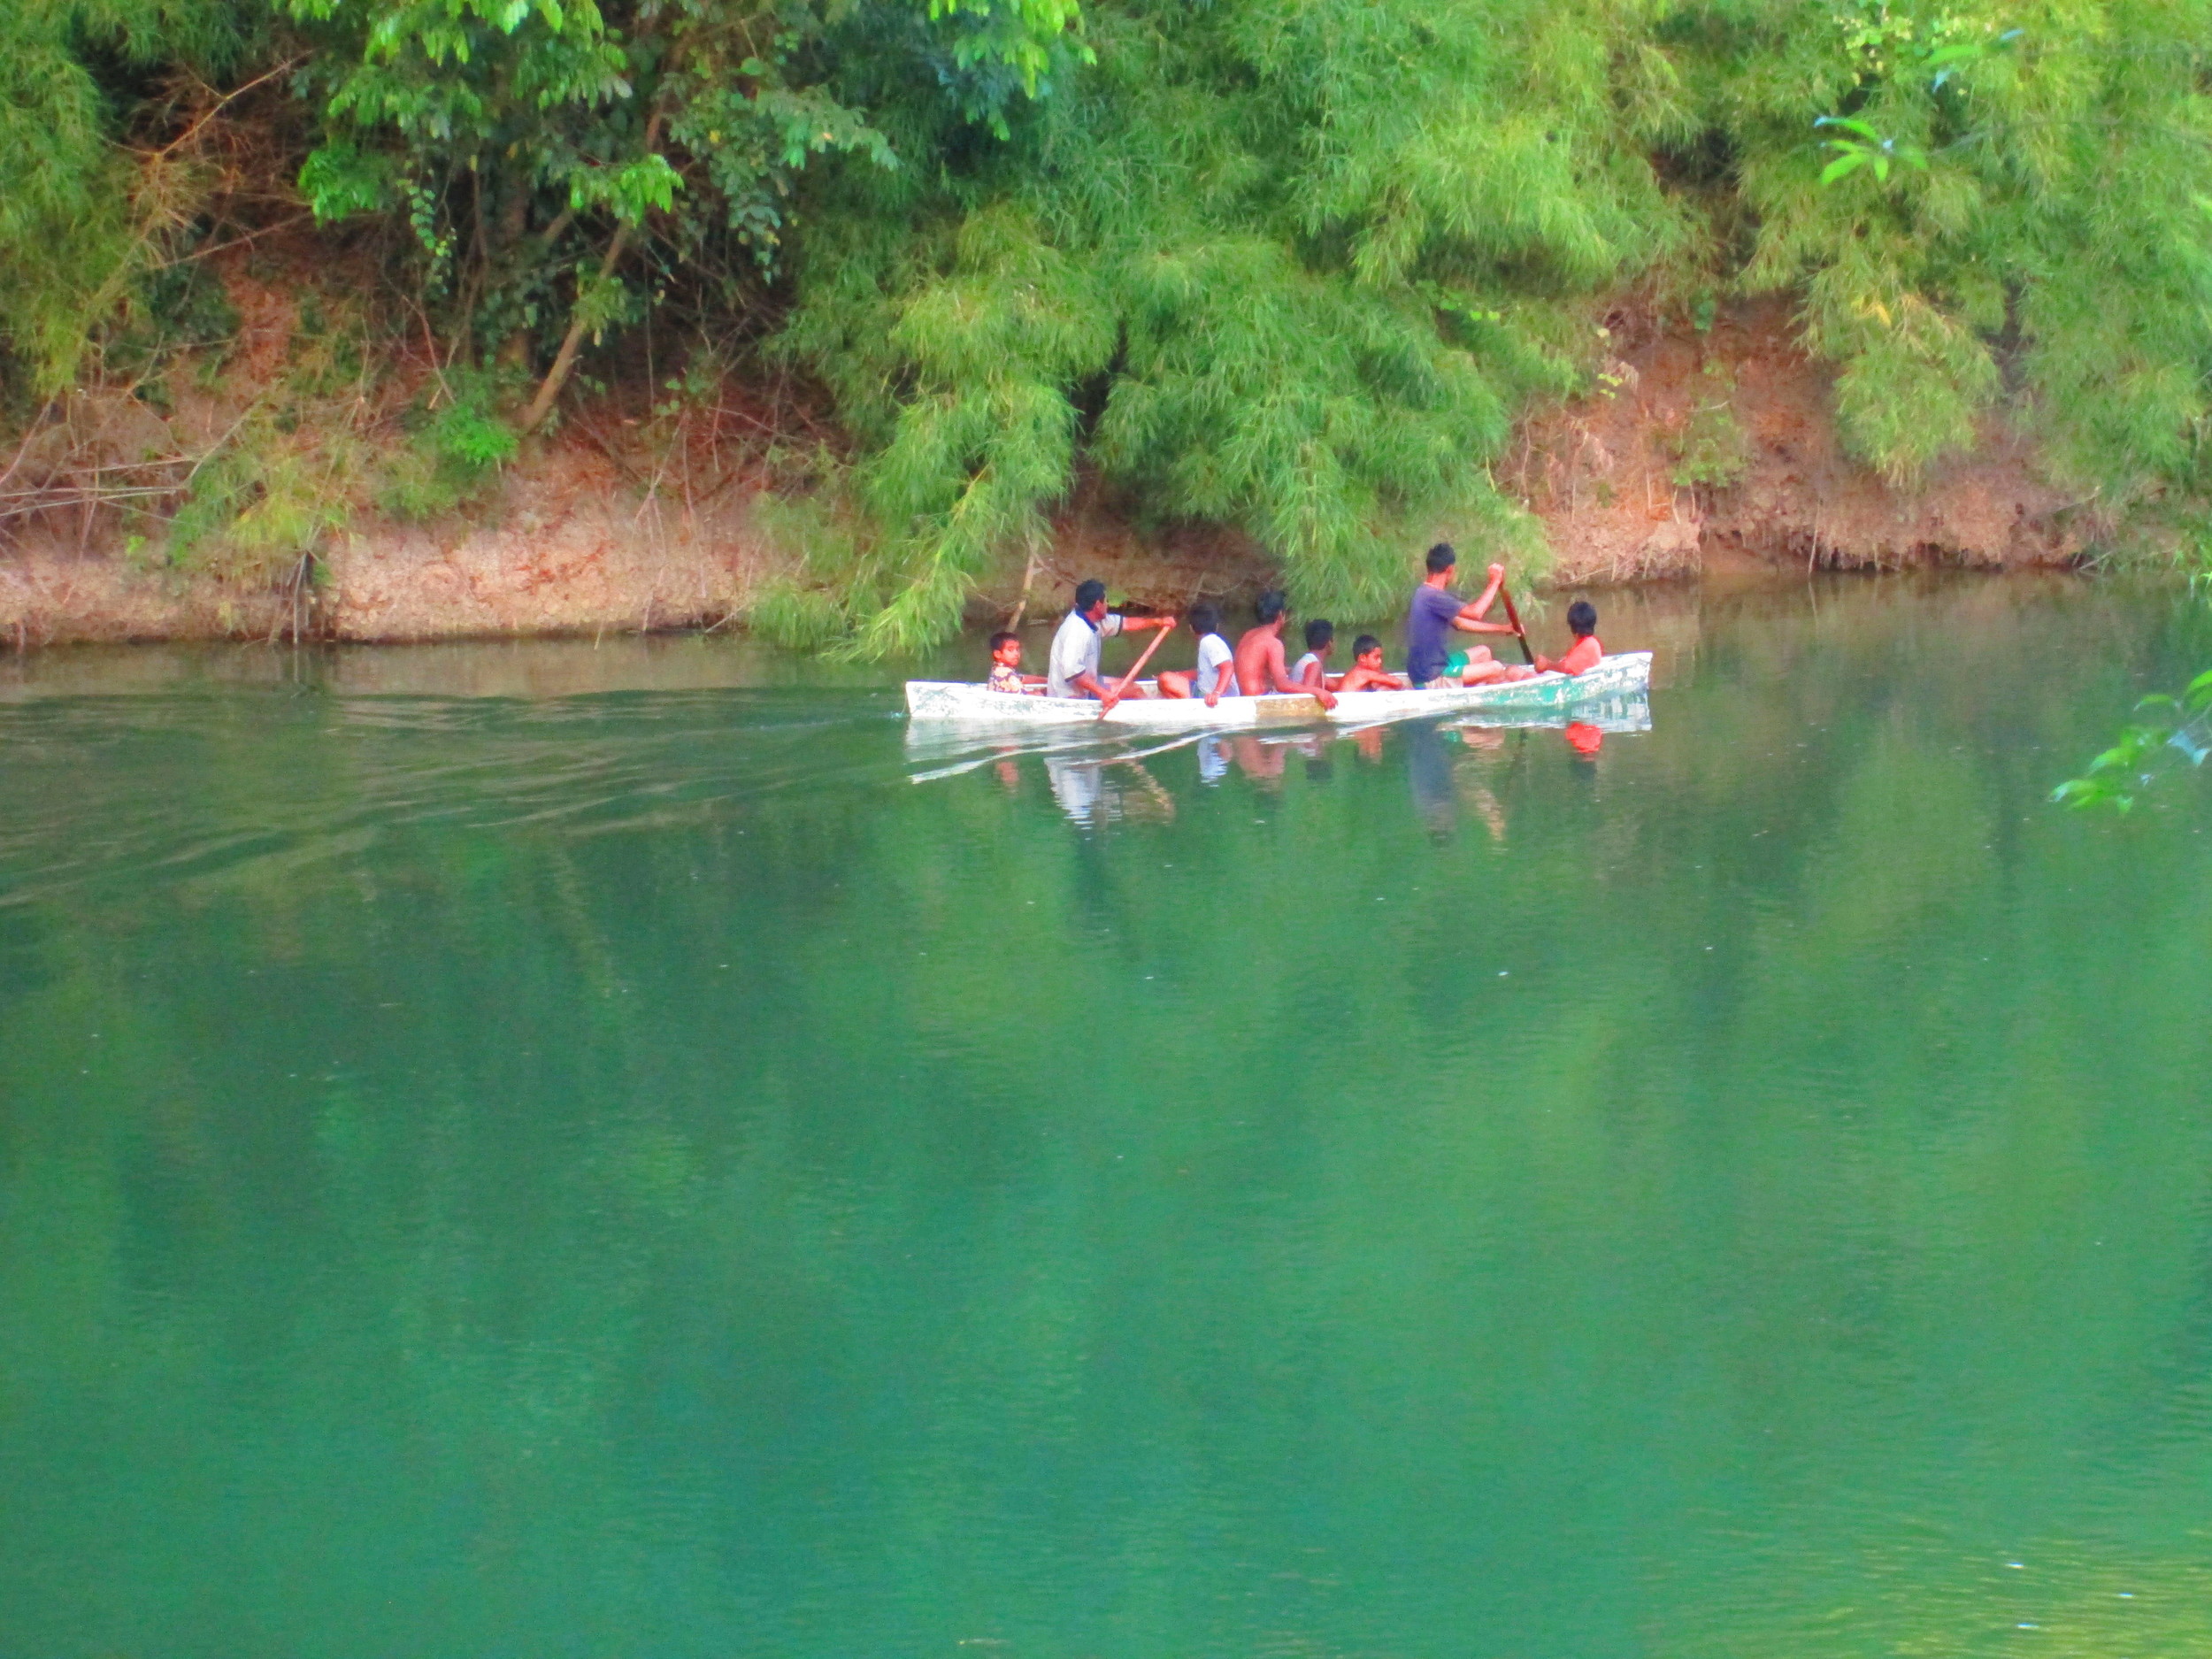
(1106, 703)
(1514, 617)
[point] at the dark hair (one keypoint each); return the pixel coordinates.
(1002, 638)
(1269, 606)
(1582, 617)
(1204, 619)
(1441, 558)
(1089, 593)
(1318, 633)
(1365, 643)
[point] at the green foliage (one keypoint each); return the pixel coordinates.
(2042, 227)
(1712, 451)
(252, 511)
(526, 141)
(1291, 270)
(1868, 148)
(291, 467)
(1294, 266)
(796, 617)
(2174, 731)
(459, 444)
(83, 219)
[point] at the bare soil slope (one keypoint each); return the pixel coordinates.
(1601, 474)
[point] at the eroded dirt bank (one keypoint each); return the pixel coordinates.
(1623, 482)
(1706, 450)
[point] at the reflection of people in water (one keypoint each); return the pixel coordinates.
(1145, 799)
(1439, 788)
(1213, 760)
(1094, 792)
(1074, 786)
(1429, 770)
(1584, 738)
(1314, 747)
(1261, 761)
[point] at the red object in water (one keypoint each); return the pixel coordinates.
(1586, 739)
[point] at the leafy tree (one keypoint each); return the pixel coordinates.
(1290, 267)
(84, 213)
(2167, 731)
(529, 141)
(1292, 264)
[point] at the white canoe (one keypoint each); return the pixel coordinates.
(1627, 674)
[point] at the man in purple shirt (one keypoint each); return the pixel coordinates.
(1437, 611)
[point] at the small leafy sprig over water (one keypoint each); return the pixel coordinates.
(2176, 728)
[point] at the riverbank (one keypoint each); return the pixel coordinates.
(1705, 452)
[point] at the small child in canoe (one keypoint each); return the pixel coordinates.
(1006, 667)
(1480, 668)
(1312, 669)
(1213, 679)
(1367, 673)
(1585, 653)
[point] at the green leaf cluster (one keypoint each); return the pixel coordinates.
(2173, 729)
(1292, 268)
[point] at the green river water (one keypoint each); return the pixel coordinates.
(530, 1150)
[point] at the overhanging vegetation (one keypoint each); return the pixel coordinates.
(1291, 266)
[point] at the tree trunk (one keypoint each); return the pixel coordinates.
(565, 359)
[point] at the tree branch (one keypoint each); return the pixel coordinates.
(565, 359)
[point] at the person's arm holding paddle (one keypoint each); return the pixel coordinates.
(1470, 619)
(1166, 625)
(1091, 685)
(1074, 663)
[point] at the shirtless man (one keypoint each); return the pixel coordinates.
(1260, 666)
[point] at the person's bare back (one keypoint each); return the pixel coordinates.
(1261, 668)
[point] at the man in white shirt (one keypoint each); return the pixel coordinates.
(1072, 669)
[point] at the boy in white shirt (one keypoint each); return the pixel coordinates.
(1213, 679)
(1312, 669)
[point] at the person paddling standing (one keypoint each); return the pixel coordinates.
(1436, 610)
(1072, 671)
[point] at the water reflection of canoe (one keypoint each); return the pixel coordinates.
(1626, 713)
(1627, 675)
